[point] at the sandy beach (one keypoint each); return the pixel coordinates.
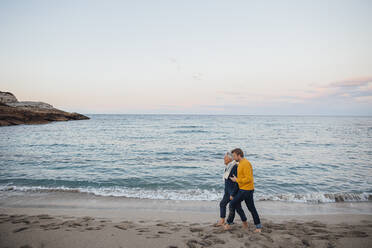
(58, 219)
(133, 124)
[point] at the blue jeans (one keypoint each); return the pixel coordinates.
(247, 196)
(225, 200)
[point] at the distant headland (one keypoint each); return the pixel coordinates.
(14, 112)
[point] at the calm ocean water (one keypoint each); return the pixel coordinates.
(295, 158)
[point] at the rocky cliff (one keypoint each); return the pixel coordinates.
(14, 112)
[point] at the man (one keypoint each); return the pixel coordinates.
(245, 181)
(231, 188)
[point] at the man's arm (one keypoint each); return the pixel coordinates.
(246, 176)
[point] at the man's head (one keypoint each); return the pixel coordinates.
(237, 154)
(228, 158)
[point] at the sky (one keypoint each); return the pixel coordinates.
(190, 57)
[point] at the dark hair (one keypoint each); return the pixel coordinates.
(238, 152)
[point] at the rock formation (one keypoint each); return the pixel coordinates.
(14, 112)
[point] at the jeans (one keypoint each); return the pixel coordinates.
(225, 200)
(247, 196)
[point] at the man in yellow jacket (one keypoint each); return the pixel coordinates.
(246, 189)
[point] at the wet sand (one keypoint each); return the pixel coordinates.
(81, 220)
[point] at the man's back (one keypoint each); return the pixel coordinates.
(245, 175)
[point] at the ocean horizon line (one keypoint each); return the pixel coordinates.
(263, 115)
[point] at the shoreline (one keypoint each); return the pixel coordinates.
(78, 200)
(189, 195)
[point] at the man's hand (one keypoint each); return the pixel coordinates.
(231, 198)
(233, 178)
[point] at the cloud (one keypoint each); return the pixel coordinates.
(353, 93)
(176, 63)
(357, 88)
(355, 82)
(344, 97)
(349, 88)
(197, 76)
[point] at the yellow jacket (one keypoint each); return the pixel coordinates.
(245, 175)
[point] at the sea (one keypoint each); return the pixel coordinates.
(310, 159)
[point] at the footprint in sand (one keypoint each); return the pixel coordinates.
(87, 218)
(239, 235)
(143, 230)
(218, 231)
(65, 217)
(124, 225)
(162, 224)
(155, 236)
(51, 226)
(91, 228)
(268, 230)
(331, 245)
(44, 217)
(206, 236)
(194, 229)
(22, 220)
(4, 220)
(26, 246)
(20, 229)
(193, 243)
(17, 215)
(205, 240)
(175, 229)
(217, 240)
(306, 242)
(273, 226)
(366, 221)
(195, 224)
(319, 230)
(253, 238)
(316, 224)
(358, 234)
(71, 223)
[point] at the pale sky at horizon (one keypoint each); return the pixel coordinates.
(191, 57)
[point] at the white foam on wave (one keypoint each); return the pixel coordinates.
(163, 194)
(193, 194)
(320, 197)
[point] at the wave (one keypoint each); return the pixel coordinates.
(191, 131)
(193, 194)
(320, 197)
(188, 126)
(163, 194)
